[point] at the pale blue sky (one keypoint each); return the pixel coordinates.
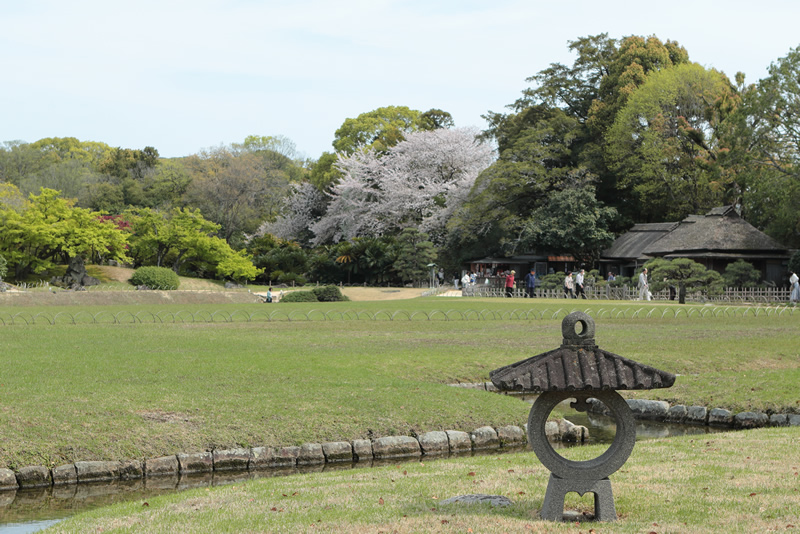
(186, 75)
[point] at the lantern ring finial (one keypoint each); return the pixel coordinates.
(578, 329)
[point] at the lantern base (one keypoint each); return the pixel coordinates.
(557, 489)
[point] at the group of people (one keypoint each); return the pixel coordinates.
(574, 287)
(531, 283)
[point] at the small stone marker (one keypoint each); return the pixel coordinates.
(580, 370)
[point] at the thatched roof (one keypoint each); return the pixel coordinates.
(631, 244)
(721, 230)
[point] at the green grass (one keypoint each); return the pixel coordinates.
(144, 389)
(71, 392)
(730, 482)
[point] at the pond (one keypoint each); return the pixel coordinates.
(27, 511)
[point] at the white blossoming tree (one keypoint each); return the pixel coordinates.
(419, 183)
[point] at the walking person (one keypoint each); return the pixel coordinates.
(579, 284)
(465, 281)
(794, 285)
(644, 289)
(510, 284)
(569, 286)
(530, 283)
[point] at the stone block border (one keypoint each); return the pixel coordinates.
(436, 443)
(262, 458)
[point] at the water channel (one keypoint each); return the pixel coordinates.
(22, 512)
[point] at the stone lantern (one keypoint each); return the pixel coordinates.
(580, 370)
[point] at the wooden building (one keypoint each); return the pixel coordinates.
(716, 239)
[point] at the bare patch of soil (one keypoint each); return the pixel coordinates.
(381, 293)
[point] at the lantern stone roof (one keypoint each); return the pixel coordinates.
(578, 365)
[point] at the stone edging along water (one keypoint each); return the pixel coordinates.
(436, 443)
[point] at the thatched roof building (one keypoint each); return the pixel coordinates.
(715, 239)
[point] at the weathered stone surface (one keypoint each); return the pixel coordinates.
(596, 406)
(676, 414)
(778, 419)
(696, 415)
(794, 419)
(131, 470)
(337, 451)
(459, 441)
(285, 457)
(8, 480)
(750, 420)
(572, 433)
(511, 436)
(231, 459)
(551, 430)
(163, 466)
(64, 474)
(395, 447)
(310, 454)
(480, 498)
(97, 471)
(435, 442)
(648, 409)
(261, 458)
(35, 476)
(75, 276)
(484, 437)
(720, 417)
(196, 462)
(362, 450)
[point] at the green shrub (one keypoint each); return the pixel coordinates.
(329, 294)
(299, 296)
(794, 263)
(155, 278)
(741, 274)
(552, 281)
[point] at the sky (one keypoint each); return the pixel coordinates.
(184, 76)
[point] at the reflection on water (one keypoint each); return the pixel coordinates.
(25, 511)
(602, 429)
(29, 510)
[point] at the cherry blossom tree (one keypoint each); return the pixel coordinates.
(302, 207)
(419, 183)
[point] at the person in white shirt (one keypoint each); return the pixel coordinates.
(579, 284)
(644, 290)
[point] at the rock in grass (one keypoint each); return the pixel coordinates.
(480, 498)
(8, 480)
(395, 447)
(35, 476)
(435, 442)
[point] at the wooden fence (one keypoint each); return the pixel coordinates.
(733, 295)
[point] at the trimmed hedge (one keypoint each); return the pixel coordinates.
(299, 296)
(155, 278)
(329, 294)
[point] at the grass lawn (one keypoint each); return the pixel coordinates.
(730, 482)
(71, 392)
